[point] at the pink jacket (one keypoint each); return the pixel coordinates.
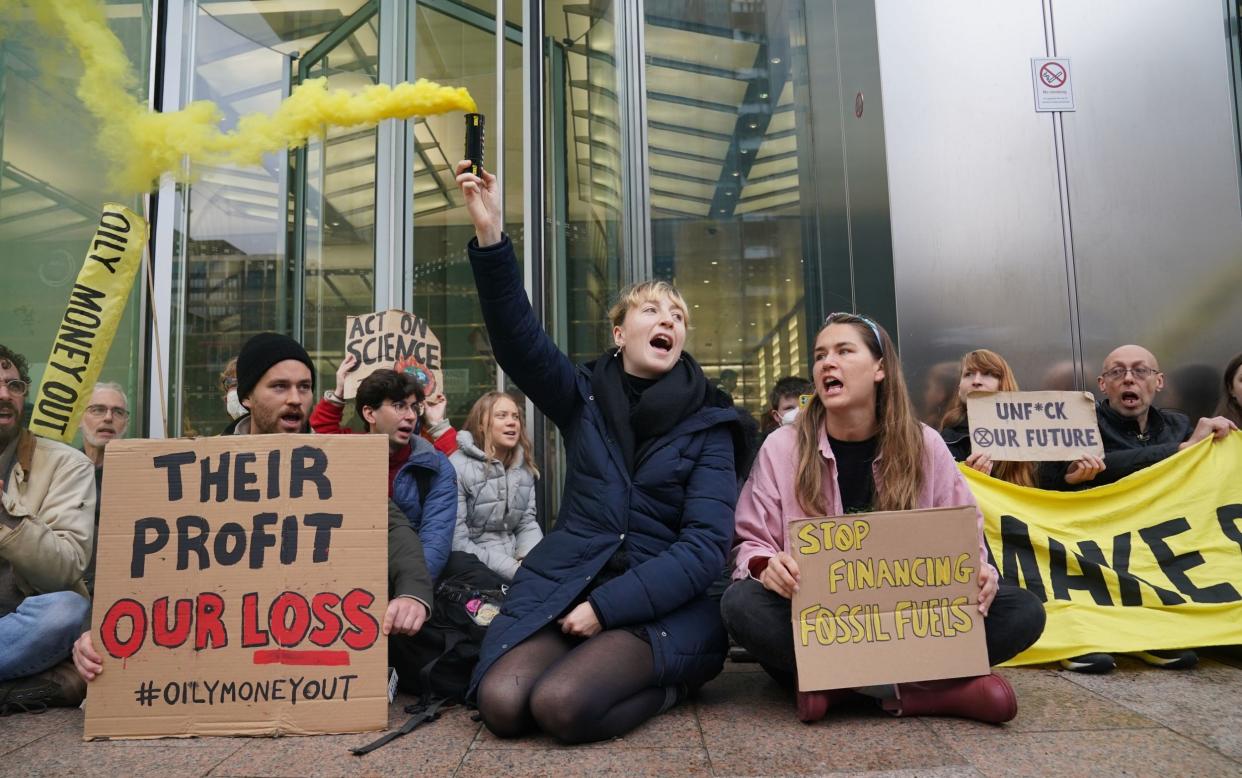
(769, 499)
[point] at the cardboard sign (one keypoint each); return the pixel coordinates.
(1033, 426)
(396, 340)
(887, 598)
(242, 585)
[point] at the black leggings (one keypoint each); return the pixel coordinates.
(575, 690)
(759, 620)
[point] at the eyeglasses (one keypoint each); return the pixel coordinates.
(1140, 373)
(100, 411)
(401, 406)
(17, 387)
(845, 317)
(228, 383)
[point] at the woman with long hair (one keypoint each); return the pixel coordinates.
(983, 370)
(608, 621)
(859, 447)
(1231, 399)
(496, 486)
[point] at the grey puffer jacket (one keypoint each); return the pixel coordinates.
(495, 508)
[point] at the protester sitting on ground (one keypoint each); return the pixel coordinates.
(434, 427)
(987, 371)
(1136, 434)
(783, 402)
(420, 479)
(607, 622)
(47, 505)
(273, 391)
(228, 385)
(1231, 397)
(276, 378)
(496, 486)
(105, 419)
(859, 447)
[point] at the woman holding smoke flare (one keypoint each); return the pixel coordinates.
(607, 622)
(858, 447)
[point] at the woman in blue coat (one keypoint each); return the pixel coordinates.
(607, 622)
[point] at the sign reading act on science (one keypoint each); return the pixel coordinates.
(242, 584)
(396, 340)
(1033, 426)
(887, 598)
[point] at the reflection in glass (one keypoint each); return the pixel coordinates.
(723, 158)
(53, 184)
(455, 47)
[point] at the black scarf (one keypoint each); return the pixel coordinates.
(661, 406)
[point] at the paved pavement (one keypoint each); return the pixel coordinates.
(1136, 721)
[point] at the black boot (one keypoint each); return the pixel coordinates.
(57, 687)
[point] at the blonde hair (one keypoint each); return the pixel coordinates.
(989, 362)
(637, 294)
(479, 425)
(899, 444)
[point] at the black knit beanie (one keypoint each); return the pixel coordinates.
(260, 353)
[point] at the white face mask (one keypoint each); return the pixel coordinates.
(234, 405)
(790, 417)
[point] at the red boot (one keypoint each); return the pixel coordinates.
(813, 706)
(987, 698)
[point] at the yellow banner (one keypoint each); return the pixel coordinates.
(1153, 561)
(96, 304)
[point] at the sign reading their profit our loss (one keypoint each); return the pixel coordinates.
(396, 340)
(1033, 426)
(887, 598)
(242, 585)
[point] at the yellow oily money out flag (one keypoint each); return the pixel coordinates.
(85, 334)
(1153, 561)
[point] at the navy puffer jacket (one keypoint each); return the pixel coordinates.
(673, 518)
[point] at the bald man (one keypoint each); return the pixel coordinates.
(1136, 434)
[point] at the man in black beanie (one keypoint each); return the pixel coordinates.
(275, 382)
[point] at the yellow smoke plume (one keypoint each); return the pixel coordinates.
(141, 145)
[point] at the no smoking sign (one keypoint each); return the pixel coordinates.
(1053, 87)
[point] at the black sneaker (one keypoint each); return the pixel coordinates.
(59, 687)
(1095, 664)
(1169, 660)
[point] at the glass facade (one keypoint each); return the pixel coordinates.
(53, 184)
(738, 149)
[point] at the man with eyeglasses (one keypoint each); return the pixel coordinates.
(47, 506)
(1136, 434)
(421, 480)
(105, 419)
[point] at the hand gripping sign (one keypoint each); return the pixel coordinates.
(242, 583)
(1033, 426)
(396, 340)
(887, 598)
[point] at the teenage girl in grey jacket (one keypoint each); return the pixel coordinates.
(495, 486)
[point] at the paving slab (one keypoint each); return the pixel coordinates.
(1200, 703)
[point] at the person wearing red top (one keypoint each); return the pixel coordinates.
(325, 419)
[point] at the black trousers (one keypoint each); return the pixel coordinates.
(760, 621)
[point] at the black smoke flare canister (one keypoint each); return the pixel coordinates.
(474, 142)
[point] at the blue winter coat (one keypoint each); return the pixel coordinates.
(674, 517)
(435, 518)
